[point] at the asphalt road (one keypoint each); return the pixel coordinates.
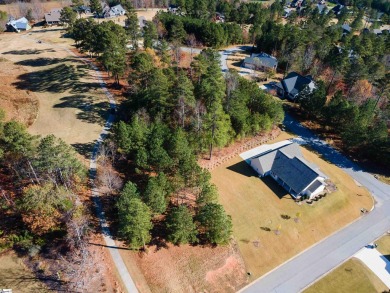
(305, 268)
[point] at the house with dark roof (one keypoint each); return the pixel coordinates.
(18, 25)
(261, 61)
(293, 84)
(286, 165)
(53, 17)
(337, 9)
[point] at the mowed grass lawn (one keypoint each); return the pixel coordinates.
(352, 276)
(384, 246)
(256, 203)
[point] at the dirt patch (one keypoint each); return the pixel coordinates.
(188, 268)
(20, 105)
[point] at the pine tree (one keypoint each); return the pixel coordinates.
(134, 221)
(215, 223)
(180, 225)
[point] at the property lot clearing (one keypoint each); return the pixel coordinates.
(269, 226)
(72, 105)
(351, 276)
(187, 268)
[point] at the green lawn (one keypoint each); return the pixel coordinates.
(352, 276)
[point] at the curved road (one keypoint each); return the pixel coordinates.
(305, 268)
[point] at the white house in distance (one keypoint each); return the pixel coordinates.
(114, 11)
(18, 25)
(286, 165)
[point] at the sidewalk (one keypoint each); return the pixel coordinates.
(376, 262)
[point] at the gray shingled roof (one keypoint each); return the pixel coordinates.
(313, 187)
(288, 164)
(294, 172)
(262, 59)
(54, 15)
(294, 83)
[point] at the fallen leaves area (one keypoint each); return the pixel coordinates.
(190, 269)
(19, 105)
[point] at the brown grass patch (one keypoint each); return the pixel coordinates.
(16, 276)
(20, 105)
(256, 205)
(187, 268)
(352, 276)
(384, 245)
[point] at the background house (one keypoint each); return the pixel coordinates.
(114, 11)
(293, 84)
(289, 169)
(18, 25)
(261, 61)
(53, 17)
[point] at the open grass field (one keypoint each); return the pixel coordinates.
(16, 276)
(384, 246)
(352, 276)
(257, 205)
(71, 103)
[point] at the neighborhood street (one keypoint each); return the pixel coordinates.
(304, 269)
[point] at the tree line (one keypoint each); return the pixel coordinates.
(40, 207)
(171, 117)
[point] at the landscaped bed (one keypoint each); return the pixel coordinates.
(269, 226)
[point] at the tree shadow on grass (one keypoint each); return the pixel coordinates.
(84, 149)
(27, 52)
(90, 112)
(40, 62)
(58, 79)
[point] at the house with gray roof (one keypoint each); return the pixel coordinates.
(261, 61)
(289, 169)
(18, 25)
(113, 11)
(293, 84)
(53, 17)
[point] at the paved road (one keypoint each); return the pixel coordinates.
(110, 243)
(304, 269)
